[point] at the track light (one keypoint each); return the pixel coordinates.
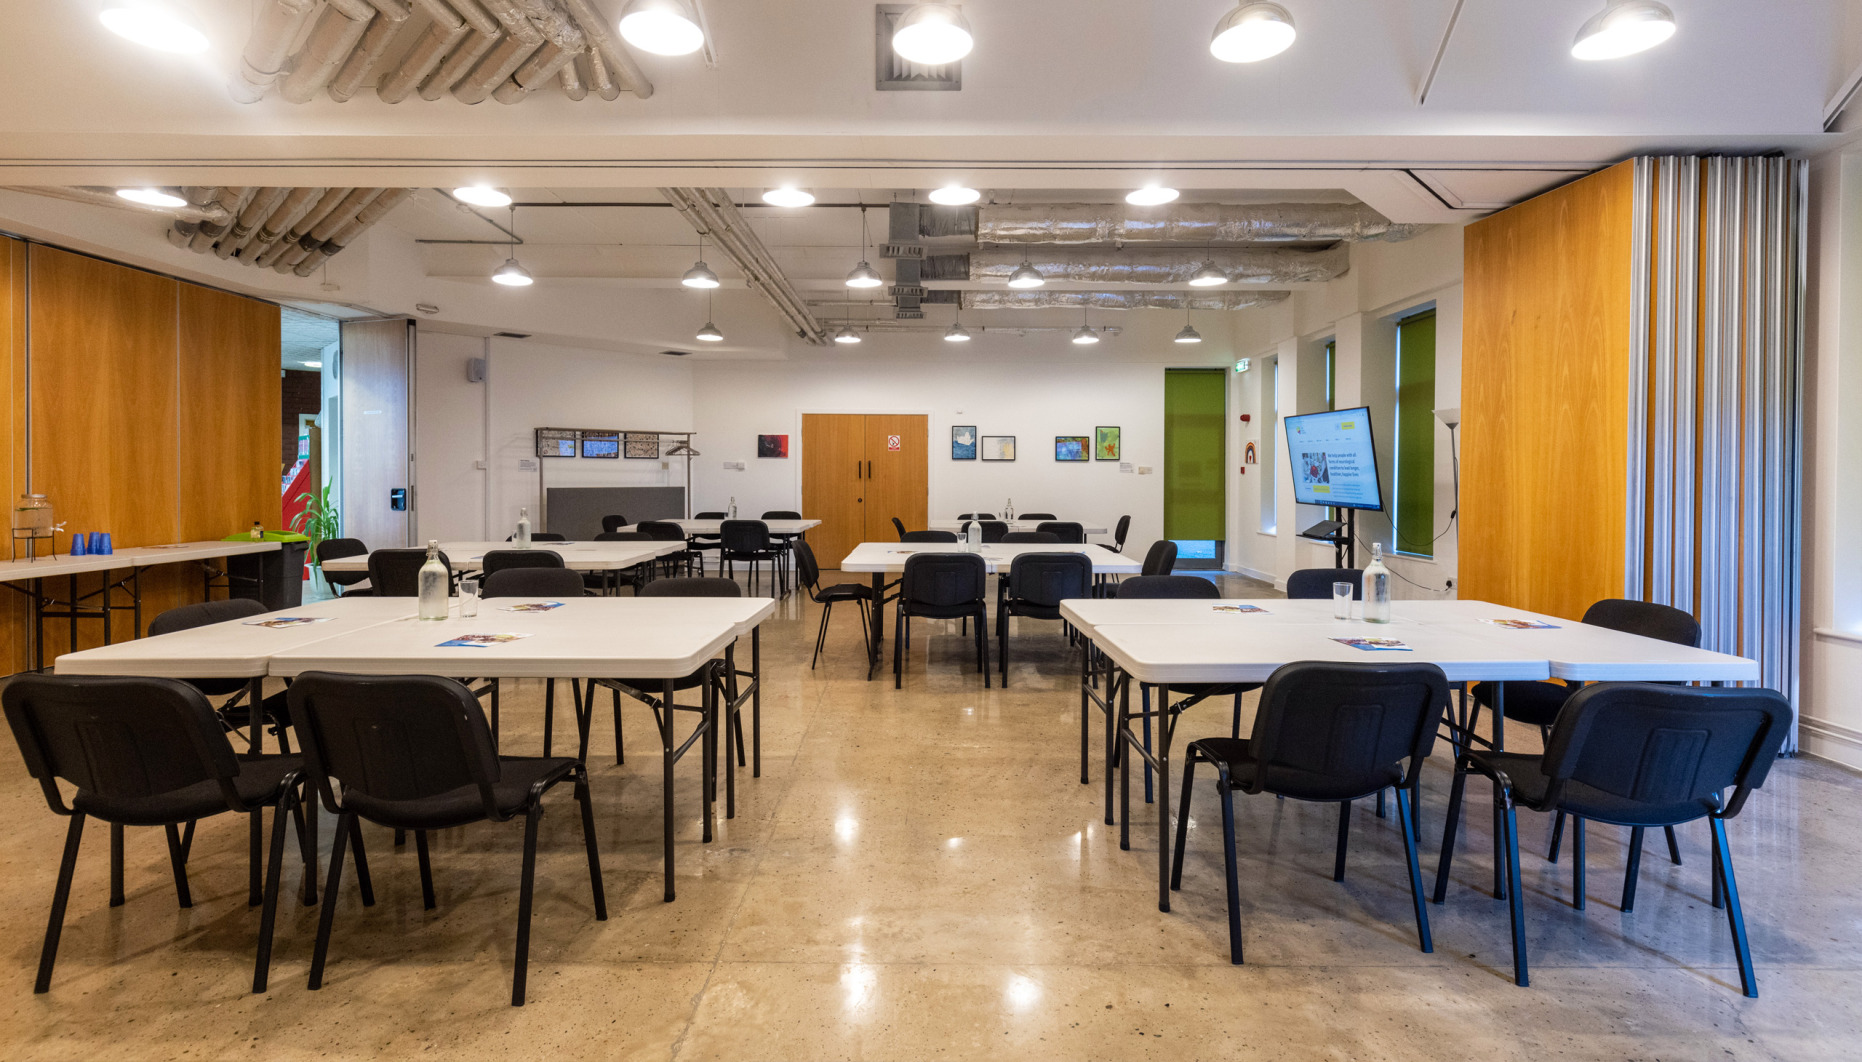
(1150, 195)
(1085, 336)
(154, 197)
(846, 335)
(700, 275)
(1252, 32)
(663, 27)
(1208, 276)
(864, 276)
(482, 195)
(789, 196)
(955, 195)
(1189, 335)
(932, 34)
(154, 25)
(1624, 27)
(512, 275)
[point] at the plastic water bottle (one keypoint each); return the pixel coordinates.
(733, 508)
(522, 538)
(1008, 511)
(433, 585)
(1376, 587)
(973, 536)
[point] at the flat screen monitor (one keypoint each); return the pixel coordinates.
(1334, 459)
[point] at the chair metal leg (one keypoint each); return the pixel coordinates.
(1002, 646)
(1234, 877)
(116, 864)
(321, 951)
(900, 627)
(179, 863)
(1183, 819)
(1558, 836)
(61, 894)
(1577, 860)
(1516, 897)
(1719, 895)
(306, 819)
(255, 854)
(1450, 823)
(982, 651)
(1631, 870)
(620, 756)
(821, 636)
(1086, 664)
(1735, 916)
(1423, 936)
(596, 888)
(1674, 846)
(549, 714)
(1144, 722)
(1235, 729)
(525, 894)
(268, 914)
(426, 870)
(1344, 838)
(1380, 804)
(1114, 751)
(364, 883)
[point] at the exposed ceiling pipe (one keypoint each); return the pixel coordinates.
(294, 207)
(620, 62)
(274, 31)
(442, 34)
(1118, 300)
(301, 228)
(572, 84)
(459, 62)
(711, 212)
(1150, 265)
(230, 200)
(108, 197)
(249, 219)
(1186, 223)
(330, 43)
(386, 201)
(540, 69)
(598, 75)
(375, 41)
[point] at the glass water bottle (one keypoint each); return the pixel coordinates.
(522, 538)
(733, 509)
(1008, 511)
(433, 585)
(1376, 587)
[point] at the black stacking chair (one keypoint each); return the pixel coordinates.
(861, 594)
(149, 752)
(612, 524)
(541, 536)
(635, 577)
(702, 544)
(1634, 754)
(234, 713)
(544, 584)
(333, 548)
(1037, 516)
(749, 541)
(941, 586)
(785, 541)
(396, 572)
(993, 530)
(1160, 559)
(928, 536)
(977, 516)
(1037, 584)
(413, 752)
(1065, 530)
(1315, 584)
(1119, 532)
(667, 531)
(1031, 538)
(1330, 733)
(899, 525)
(498, 560)
(624, 536)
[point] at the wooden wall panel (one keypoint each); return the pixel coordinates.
(376, 356)
(229, 413)
(1545, 371)
(13, 611)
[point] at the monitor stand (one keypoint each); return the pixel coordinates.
(1342, 536)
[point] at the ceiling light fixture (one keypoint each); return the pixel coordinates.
(957, 333)
(482, 195)
(1085, 336)
(1624, 27)
(511, 274)
(846, 335)
(313, 365)
(932, 34)
(789, 196)
(663, 27)
(154, 25)
(955, 195)
(1025, 275)
(1252, 32)
(700, 275)
(154, 197)
(863, 275)
(1150, 195)
(709, 333)
(1189, 335)
(1208, 276)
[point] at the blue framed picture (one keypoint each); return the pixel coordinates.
(963, 442)
(1073, 448)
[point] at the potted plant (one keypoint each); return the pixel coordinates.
(318, 521)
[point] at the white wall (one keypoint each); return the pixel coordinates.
(449, 439)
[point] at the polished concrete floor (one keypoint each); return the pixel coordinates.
(921, 875)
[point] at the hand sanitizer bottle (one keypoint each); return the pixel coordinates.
(522, 539)
(433, 585)
(1376, 587)
(733, 508)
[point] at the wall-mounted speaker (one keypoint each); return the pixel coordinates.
(475, 370)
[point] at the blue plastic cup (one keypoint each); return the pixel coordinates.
(77, 544)
(94, 546)
(102, 545)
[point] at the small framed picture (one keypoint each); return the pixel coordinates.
(963, 442)
(601, 444)
(998, 447)
(1105, 444)
(1072, 448)
(772, 446)
(640, 446)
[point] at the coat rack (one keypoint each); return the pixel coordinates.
(567, 442)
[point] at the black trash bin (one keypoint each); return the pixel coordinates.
(274, 579)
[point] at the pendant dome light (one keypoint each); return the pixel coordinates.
(1208, 276)
(957, 333)
(155, 197)
(1624, 27)
(1252, 32)
(700, 275)
(511, 274)
(709, 333)
(932, 34)
(1085, 336)
(846, 335)
(154, 25)
(954, 195)
(1189, 333)
(663, 27)
(863, 275)
(1025, 275)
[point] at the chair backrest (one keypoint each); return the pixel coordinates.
(533, 582)
(396, 572)
(1160, 558)
(118, 738)
(392, 739)
(928, 536)
(899, 526)
(782, 514)
(541, 536)
(614, 522)
(696, 586)
(624, 536)
(663, 530)
(1066, 530)
(1044, 580)
(977, 516)
(1338, 728)
(807, 569)
(720, 515)
(1140, 587)
(744, 536)
(1037, 516)
(943, 580)
(1315, 584)
(1119, 531)
(993, 530)
(1646, 618)
(1031, 538)
(336, 548)
(202, 613)
(498, 560)
(1667, 745)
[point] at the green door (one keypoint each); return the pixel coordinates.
(1195, 456)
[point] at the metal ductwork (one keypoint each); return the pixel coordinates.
(1150, 265)
(474, 49)
(712, 213)
(1205, 223)
(1118, 300)
(209, 209)
(291, 230)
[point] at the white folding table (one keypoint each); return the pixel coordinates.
(609, 557)
(712, 528)
(1014, 525)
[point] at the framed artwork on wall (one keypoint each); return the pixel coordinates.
(772, 446)
(998, 447)
(640, 446)
(963, 442)
(1106, 444)
(1072, 448)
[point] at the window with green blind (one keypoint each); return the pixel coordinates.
(1331, 374)
(1415, 435)
(1195, 454)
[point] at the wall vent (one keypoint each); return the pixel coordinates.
(512, 335)
(893, 74)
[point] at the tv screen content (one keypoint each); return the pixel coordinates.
(1334, 459)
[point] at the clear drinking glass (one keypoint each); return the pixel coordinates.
(468, 598)
(1341, 600)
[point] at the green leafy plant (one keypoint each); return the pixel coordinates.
(318, 521)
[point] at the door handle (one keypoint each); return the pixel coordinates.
(856, 469)
(869, 470)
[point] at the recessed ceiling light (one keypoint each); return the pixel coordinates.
(512, 275)
(482, 195)
(932, 34)
(789, 196)
(313, 365)
(1026, 276)
(1189, 335)
(1150, 195)
(1208, 276)
(864, 276)
(1624, 27)
(1085, 336)
(154, 197)
(663, 27)
(710, 333)
(153, 25)
(846, 335)
(955, 195)
(1252, 32)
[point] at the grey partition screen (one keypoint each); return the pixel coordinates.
(577, 511)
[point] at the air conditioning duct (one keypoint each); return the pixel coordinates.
(1150, 265)
(1204, 223)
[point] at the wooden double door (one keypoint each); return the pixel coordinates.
(859, 470)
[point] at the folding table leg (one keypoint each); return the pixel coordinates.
(666, 764)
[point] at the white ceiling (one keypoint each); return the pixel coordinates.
(303, 337)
